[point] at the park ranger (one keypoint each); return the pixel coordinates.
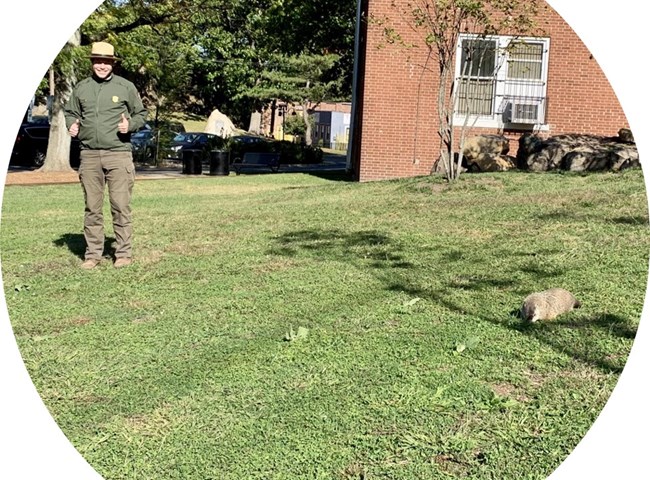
(102, 111)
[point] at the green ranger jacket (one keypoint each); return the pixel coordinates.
(99, 105)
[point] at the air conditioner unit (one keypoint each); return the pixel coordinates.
(522, 112)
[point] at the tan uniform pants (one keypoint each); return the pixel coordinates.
(97, 169)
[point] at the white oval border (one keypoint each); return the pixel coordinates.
(31, 444)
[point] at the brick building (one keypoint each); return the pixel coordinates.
(550, 85)
(331, 123)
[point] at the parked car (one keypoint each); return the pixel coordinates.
(240, 144)
(205, 142)
(248, 139)
(144, 145)
(289, 152)
(153, 141)
(30, 147)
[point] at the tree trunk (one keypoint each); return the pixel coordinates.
(445, 128)
(58, 145)
(305, 117)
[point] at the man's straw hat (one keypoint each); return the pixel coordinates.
(103, 50)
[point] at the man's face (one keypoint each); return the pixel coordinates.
(102, 67)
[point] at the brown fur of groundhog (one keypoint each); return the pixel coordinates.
(548, 304)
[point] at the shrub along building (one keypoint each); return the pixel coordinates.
(548, 84)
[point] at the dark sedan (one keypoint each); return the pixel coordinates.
(30, 147)
(144, 145)
(204, 142)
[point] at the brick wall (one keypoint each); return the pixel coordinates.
(399, 134)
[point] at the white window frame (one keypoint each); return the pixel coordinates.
(502, 85)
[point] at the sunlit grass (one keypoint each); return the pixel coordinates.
(292, 326)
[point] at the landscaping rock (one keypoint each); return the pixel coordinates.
(487, 153)
(576, 153)
(219, 124)
(485, 144)
(625, 135)
(486, 162)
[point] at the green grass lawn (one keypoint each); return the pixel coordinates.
(292, 326)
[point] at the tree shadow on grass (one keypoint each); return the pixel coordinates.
(333, 175)
(367, 246)
(76, 243)
(542, 271)
(639, 220)
(584, 337)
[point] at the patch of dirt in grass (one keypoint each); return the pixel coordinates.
(354, 471)
(149, 257)
(144, 319)
(88, 399)
(535, 379)
(79, 321)
(617, 359)
(194, 249)
(135, 304)
(466, 182)
(275, 266)
(582, 373)
(41, 178)
(51, 329)
(451, 465)
(432, 187)
(473, 181)
(508, 390)
(438, 187)
(503, 389)
(45, 267)
(151, 424)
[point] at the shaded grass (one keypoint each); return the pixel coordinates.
(412, 365)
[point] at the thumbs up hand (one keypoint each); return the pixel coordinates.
(74, 128)
(123, 126)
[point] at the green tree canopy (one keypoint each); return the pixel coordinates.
(197, 55)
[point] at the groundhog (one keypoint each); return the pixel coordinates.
(548, 304)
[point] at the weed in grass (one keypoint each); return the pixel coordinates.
(299, 334)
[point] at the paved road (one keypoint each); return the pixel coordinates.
(25, 176)
(330, 163)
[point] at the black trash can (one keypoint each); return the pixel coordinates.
(192, 161)
(219, 162)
